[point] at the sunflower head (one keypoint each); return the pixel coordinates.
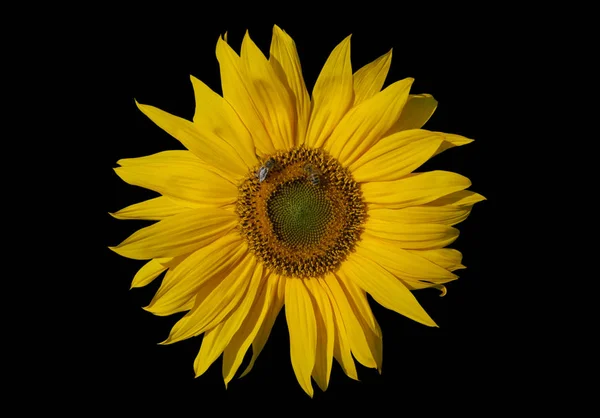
(308, 202)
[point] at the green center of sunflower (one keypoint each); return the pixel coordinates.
(299, 212)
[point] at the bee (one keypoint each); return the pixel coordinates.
(263, 171)
(313, 174)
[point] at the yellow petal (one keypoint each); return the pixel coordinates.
(355, 331)
(341, 349)
(357, 299)
(420, 284)
(217, 305)
(259, 321)
(150, 271)
(451, 141)
(300, 316)
(417, 111)
(211, 348)
(284, 59)
(399, 261)
(186, 180)
(395, 156)
(456, 140)
(412, 236)
(442, 289)
(171, 263)
(217, 342)
(368, 122)
(461, 198)
(386, 289)
(448, 258)
(369, 80)
(206, 145)
(214, 114)
(325, 333)
(449, 210)
(272, 100)
(265, 329)
(186, 302)
(212, 262)
(332, 96)
(414, 189)
(426, 214)
(184, 306)
(237, 94)
(153, 210)
(178, 234)
(164, 157)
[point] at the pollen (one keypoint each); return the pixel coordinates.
(301, 223)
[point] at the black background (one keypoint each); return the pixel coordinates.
(463, 65)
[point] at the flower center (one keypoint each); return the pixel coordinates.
(301, 212)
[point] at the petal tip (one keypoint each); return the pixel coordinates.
(139, 105)
(149, 308)
(442, 290)
(168, 341)
(200, 372)
(346, 42)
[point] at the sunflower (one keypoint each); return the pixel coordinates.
(283, 199)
